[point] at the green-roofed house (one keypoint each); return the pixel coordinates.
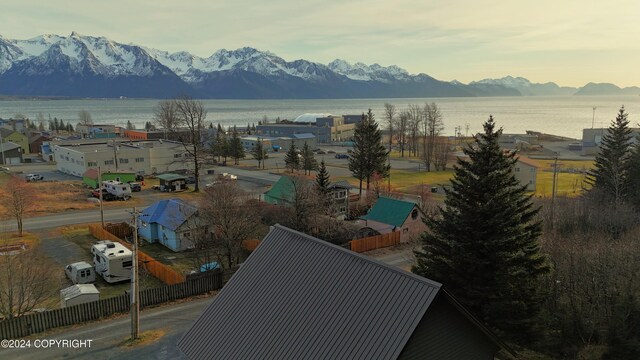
(281, 193)
(172, 182)
(388, 215)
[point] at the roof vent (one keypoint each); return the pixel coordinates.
(111, 246)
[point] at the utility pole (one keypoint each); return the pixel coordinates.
(100, 196)
(135, 296)
(553, 188)
(2, 149)
(593, 120)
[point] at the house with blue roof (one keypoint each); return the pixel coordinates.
(171, 223)
(389, 215)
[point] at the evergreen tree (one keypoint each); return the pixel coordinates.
(56, 125)
(69, 127)
(483, 244)
(369, 154)
(210, 125)
(309, 162)
(248, 131)
(61, 125)
(323, 190)
(236, 150)
(52, 126)
(609, 177)
(291, 158)
(130, 126)
(633, 178)
(41, 126)
(259, 153)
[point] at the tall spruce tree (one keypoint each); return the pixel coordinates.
(323, 190)
(236, 150)
(291, 158)
(309, 162)
(633, 179)
(609, 179)
(369, 155)
(482, 246)
(259, 153)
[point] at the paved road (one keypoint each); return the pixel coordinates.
(107, 336)
(67, 218)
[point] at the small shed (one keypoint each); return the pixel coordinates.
(90, 177)
(78, 294)
(172, 182)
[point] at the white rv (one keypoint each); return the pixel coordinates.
(118, 189)
(112, 261)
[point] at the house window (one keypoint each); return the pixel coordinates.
(340, 194)
(128, 263)
(177, 156)
(517, 169)
(343, 209)
(139, 160)
(108, 162)
(124, 161)
(92, 163)
(414, 214)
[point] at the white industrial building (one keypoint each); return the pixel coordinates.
(142, 157)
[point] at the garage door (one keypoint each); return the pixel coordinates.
(13, 160)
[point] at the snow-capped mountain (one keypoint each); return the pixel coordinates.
(375, 72)
(526, 87)
(88, 66)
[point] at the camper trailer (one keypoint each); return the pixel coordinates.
(80, 273)
(118, 189)
(112, 261)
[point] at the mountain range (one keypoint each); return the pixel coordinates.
(96, 67)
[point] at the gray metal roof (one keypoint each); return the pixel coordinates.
(298, 297)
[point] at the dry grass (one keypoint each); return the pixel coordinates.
(145, 338)
(30, 240)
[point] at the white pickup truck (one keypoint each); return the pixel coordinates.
(33, 177)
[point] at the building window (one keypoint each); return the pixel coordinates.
(92, 163)
(128, 263)
(108, 162)
(517, 169)
(139, 160)
(343, 209)
(124, 161)
(414, 214)
(177, 156)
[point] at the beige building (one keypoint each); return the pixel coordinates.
(143, 157)
(526, 171)
(592, 138)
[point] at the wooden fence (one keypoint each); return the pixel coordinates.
(161, 271)
(38, 322)
(375, 242)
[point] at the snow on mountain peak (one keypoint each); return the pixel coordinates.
(363, 72)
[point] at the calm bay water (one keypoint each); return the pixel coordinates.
(565, 116)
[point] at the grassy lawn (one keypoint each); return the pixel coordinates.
(570, 178)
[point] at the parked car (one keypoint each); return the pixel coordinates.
(135, 187)
(106, 196)
(139, 177)
(34, 177)
(342, 156)
(320, 152)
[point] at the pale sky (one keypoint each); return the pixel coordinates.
(570, 42)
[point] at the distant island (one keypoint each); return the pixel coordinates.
(77, 66)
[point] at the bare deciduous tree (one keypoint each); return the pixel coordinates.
(231, 218)
(84, 117)
(165, 116)
(18, 198)
(25, 282)
(184, 119)
(416, 116)
(390, 118)
(432, 127)
(401, 130)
